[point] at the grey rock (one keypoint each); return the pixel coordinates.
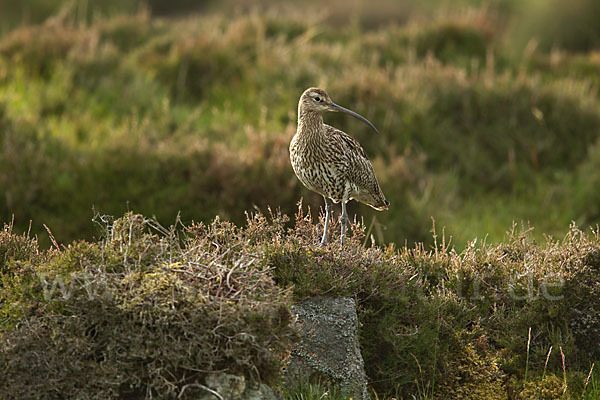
(263, 392)
(329, 349)
(233, 387)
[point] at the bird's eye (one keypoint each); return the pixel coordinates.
(317, 98)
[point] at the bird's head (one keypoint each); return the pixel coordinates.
(317, 100)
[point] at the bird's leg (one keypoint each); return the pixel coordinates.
(343, 221)
(327, 217)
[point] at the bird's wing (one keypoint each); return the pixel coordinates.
(360, 170)
(347, 142)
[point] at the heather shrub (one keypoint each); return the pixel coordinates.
(448, 322)
(16, 247)
(146, 302)
(141, 313)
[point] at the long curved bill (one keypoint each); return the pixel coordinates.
(335, 107)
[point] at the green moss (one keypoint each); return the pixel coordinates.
(550, 387)
(473, 373)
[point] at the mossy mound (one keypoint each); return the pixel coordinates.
(141, 313)
(147, 310)
(449, 323)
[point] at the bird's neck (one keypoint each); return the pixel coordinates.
(310, 123)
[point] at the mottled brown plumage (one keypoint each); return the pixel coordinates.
(331, 162)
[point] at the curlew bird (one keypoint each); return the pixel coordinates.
(331, 162)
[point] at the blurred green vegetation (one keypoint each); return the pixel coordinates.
(132, 105)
